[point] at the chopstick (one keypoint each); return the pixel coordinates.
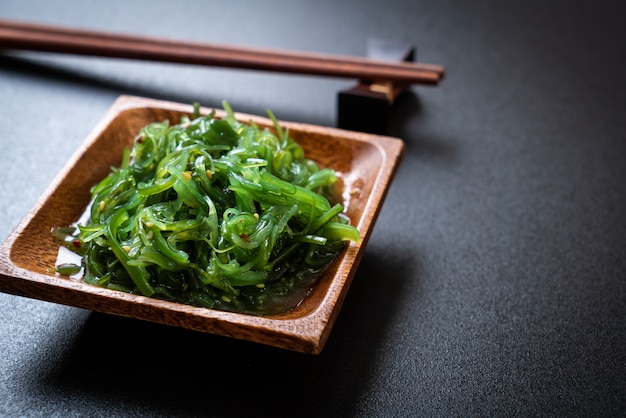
(45, 38)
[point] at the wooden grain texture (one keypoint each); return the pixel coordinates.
(365, 163)
(35, 37)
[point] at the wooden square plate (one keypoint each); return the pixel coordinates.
(365, 163)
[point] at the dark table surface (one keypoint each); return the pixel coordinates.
(494, 282)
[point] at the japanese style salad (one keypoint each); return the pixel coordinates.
(214, 213)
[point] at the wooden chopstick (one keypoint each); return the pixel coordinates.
(45, 38)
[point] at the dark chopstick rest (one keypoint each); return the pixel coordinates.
(367, 106)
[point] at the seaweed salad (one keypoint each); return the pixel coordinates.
(214, 213)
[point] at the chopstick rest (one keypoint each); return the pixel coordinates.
(367, 106)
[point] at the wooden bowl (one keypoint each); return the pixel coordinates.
(366, 165)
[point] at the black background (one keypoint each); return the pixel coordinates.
(494, 282)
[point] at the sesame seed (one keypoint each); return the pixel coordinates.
(187, 175)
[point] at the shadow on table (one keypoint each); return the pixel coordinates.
(43, 69)
(58, 72)
(408, 121)
(128, 367)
